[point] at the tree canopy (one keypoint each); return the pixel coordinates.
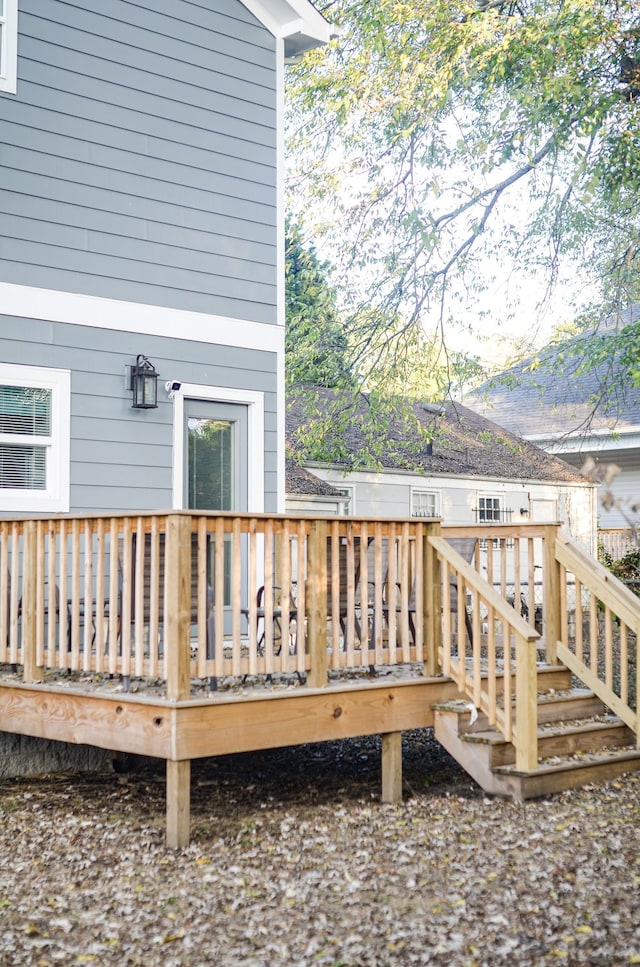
(441, 143)
(315, 341)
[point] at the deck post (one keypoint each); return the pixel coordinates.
(551, 603)
(431, 602)
(177, 610)
(31, 671)
(317, 603)
(178, 803)
(526, 737)
(391, 767)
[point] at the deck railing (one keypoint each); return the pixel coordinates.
(193, 597)
(488, 648)
(230, 594)
(599, 638)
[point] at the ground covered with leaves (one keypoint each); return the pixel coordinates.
(294, 861)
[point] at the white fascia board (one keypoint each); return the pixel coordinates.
(335, 475)
(288, 18)
(51, 305)
(628, 439)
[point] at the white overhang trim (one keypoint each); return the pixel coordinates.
(284, 18)
(50, 305)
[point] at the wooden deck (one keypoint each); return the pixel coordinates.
(125, 632)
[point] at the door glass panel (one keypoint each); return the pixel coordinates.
(211, 469)
(216, 461)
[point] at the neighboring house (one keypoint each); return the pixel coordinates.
(465, 468)
(141, 222)
(556, 410)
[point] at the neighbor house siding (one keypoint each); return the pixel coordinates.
(121, 458)
(138, 158)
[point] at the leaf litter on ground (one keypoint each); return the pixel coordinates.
(294, 861)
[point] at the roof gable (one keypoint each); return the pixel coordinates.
(297, 22)
(417, 437)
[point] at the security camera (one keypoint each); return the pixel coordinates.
(172, 385)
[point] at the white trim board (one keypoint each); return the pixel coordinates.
(255, 431)
(52, 305)
(55, 499)
(285, 18)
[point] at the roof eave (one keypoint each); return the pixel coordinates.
(297, 22)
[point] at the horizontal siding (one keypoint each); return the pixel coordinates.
(121, 459)
(138, 158)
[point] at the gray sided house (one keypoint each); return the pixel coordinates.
(429, 460)
(576, 413)
(141, 216)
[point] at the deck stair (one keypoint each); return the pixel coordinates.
(579, 742)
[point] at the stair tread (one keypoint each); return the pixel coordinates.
(585, 760)
(553, 729)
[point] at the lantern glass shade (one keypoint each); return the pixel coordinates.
(144, 384)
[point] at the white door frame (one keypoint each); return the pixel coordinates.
(255, 438)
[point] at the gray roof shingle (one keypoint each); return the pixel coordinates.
(463, 442)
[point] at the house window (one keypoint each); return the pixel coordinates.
(348, 491)
(491, 510)
(424, 503)
(34, 439)
(8, 45)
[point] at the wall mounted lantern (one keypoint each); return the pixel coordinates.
(144, 384)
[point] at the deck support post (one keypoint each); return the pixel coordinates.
(391, 767)
(177, 656)
(32, 671)
(178, 803)
(431, 602)
(552, 586)
(317, 603)
(526, 737)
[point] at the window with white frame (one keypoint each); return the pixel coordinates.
(490, 510)
(425, 503)
(34, 439)
(8, 45)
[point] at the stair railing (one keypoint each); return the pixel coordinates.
(491, 656)
(599, 631)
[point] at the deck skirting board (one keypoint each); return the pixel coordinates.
(180, 731)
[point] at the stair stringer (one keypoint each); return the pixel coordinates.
(474, 758)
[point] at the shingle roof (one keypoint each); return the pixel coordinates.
(547, 399)
(463, 442)
(299, 480)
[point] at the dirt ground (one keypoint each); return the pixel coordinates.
(294, 861)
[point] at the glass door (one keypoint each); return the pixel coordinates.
(216, 460)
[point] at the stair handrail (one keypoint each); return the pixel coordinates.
(619, 601)
(520, 729)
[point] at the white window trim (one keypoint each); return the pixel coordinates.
(9, 54)
(55, 499)
(501, 507)
(426, 490)
(255, 442)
